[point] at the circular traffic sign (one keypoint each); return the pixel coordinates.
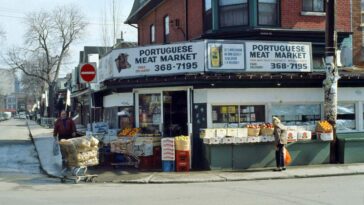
(88, 72)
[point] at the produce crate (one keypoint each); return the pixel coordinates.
(168, 166)
(253, 132)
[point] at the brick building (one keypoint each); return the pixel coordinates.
(194, 69)
(358, 55)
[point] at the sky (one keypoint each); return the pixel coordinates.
(12, 13)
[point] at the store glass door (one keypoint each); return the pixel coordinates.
(175, 113)
(150, 113)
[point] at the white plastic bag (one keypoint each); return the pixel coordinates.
(55, 146)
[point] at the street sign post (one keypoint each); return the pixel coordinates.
(88, 75)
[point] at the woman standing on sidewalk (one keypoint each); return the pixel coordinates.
(280, 137)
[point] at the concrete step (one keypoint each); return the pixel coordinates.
(18, 156)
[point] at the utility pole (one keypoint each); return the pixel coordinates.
(332, 74)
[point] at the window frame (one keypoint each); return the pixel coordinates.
(234, 26)
(277, 9)
(152, 33)
(312, 7)
(205, 16)
(166, 36)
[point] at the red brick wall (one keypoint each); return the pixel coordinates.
(195, 18)
(291, 17)
(175, 9)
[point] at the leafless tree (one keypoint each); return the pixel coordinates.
(48, 38)
(2, 33)
(111, 23)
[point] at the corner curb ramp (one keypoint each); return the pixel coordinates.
(42, 166)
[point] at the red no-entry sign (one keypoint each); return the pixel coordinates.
(88, 72)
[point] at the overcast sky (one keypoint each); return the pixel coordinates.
(12, 14)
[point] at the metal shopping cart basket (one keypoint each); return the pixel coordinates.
(125, 146)
(72, 171)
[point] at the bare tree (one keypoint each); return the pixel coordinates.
(47, 43)
(111, 23)
(2, 33)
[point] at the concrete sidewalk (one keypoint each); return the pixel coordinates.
(43, 140)
(52, 166)
(132, 176)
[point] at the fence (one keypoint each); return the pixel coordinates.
(47, 121)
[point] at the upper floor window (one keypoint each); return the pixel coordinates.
(152, 33)
(313, 5)
(267, 12)
(233, 13)
(208, 16)
(166, 29)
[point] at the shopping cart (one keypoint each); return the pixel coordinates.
(73, 172)
(125, 146)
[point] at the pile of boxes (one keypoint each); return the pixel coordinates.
(241, 135)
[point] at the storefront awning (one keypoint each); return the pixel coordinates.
(79, 93)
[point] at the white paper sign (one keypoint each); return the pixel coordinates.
(226, 56)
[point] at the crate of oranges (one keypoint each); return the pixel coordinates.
(324, 126)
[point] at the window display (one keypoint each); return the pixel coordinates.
(346, 116)
(297, 114)
(238, 115)
(150, 112)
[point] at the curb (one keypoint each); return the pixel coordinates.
(38, 157)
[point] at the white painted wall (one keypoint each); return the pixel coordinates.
(271, 96)
(118, 99)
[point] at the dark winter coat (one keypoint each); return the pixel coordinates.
(62, 131)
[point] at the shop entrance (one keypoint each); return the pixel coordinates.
(175, 113)
(164, 112)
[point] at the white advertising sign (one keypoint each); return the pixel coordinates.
(226, 56)
(278, 56)
(153, 60)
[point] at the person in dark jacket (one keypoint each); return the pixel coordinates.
(64, 127)
(280, 138)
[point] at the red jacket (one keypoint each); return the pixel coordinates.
(64, 132)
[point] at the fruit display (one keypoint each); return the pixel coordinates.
(324, 126)
(253, 130)
(266, 129)
(130, 132)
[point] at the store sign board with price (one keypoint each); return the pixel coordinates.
(158, 60)
(278, 56)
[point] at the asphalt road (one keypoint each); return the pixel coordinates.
(14, 129)
(37, 190)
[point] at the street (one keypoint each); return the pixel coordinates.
(34, 190)
(14, 129)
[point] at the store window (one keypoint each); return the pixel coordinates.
(297, 114)
(233, 13)
(252, 114)
(313, 5)
(152, 33)
(225, 114)
(267, 12)
(126, 117)
(150, 112)
(110, 116)
(166, 29)
(208, 16)
(346, 117)
(237, 115)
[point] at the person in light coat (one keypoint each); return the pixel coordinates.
(280, 137)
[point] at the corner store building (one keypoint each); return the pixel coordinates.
(195, 98)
